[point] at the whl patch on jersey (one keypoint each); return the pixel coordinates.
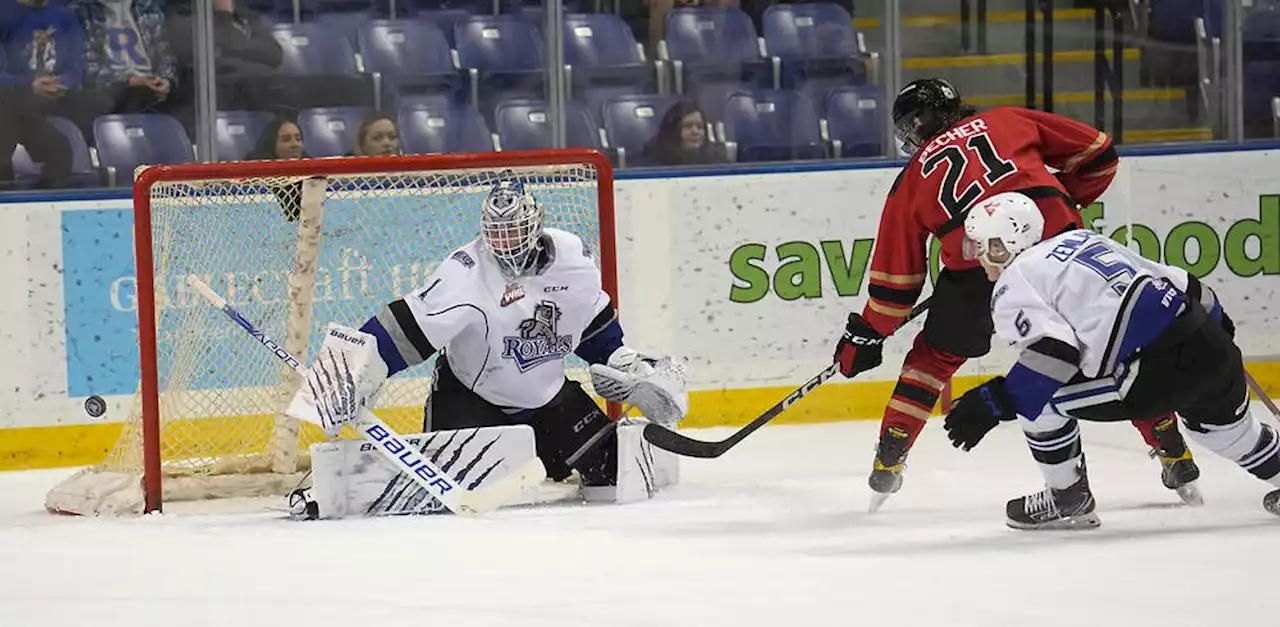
(514, 293)
(537, 342)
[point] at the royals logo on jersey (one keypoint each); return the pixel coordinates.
(537, 342)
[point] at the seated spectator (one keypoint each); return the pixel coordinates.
(377, 137)
(45, 53)
(22, 123)
(127, 56)
(246, 55)
(281, 139)
(682, 139)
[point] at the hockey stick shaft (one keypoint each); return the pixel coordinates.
(674, 442)
(1262, 394)
(401, 454)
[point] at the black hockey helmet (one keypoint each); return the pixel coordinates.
(925, 108)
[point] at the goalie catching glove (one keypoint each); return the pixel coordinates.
(656, 386)
(344, 377)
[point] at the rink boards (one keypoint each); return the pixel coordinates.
(749, 276)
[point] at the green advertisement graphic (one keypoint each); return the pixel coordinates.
(796, 269)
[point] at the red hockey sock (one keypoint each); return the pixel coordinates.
(1148, 429)
(925, 372)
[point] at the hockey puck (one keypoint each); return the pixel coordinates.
(95, 406)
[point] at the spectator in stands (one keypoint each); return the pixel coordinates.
(682, 139)
(45, 52)
(22, 123)
(377, 137)
(281, 139)
(127, 56)
(246, 54)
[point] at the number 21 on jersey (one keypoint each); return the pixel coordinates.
(954, 161)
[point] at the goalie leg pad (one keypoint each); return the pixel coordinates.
(350, 478)
(642, 469)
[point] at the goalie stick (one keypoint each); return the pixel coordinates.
(674, 442)
(404, 456)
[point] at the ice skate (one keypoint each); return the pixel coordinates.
(1271, 502)
(886, 473)
(1178, 470)
(1071, 508)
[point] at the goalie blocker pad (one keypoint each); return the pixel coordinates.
(350, 478)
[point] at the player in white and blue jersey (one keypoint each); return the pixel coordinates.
(1104, 335)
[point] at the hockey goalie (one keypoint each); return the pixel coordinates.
(502, 313)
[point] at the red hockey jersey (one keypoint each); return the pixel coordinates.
(1002, 150)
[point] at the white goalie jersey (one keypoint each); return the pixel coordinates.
(1089, 292)
(506, 338)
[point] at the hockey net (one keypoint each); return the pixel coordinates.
(293, 245)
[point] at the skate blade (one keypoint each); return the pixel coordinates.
(1072, 523)
(1190, 494)
(877, 500)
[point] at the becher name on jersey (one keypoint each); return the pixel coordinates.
(537, 342)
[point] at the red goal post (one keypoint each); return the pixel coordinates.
(294, 245)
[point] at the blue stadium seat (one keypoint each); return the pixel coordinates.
(772, 125)
(321, 65)
(817, 89)
(445, 19)
(814, 41)
(83, 174)
(854, 122)
(427, 129)
(523, 125)
(601, 52)
(503, 57)
(409, 57)
(597, 98)
(717, 45)
(347, 25)
(313, 48)
(330, 131)
(471, 7)
(125, 142)
(237, 133)
(1172, 21)
(632, 122)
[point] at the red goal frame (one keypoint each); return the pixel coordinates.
(145, 180)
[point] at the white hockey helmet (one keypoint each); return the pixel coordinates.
(999, 228)
(511, 222)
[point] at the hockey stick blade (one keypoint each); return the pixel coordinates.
(674, 442)
(391, 445)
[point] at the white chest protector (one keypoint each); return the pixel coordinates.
(507, 338)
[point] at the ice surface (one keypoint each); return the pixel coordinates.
(774, 533)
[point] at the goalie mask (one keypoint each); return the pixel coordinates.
(997, 229)
(511, 222)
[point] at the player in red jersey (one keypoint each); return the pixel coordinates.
(959, 158)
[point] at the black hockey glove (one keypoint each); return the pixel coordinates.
(860, 348)
(978, 412)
